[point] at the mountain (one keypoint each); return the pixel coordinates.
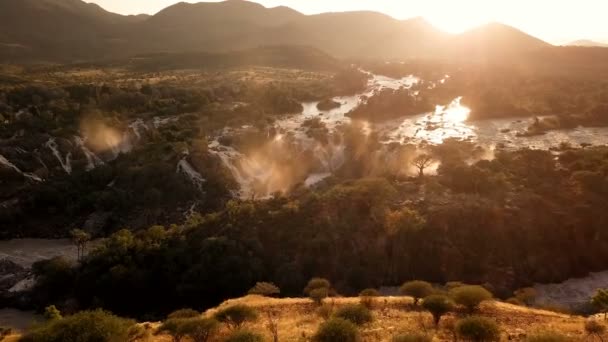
(71, 30)
(586, 43)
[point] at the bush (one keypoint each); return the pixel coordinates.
(325, 311)
(547, 337)
(417, 289)
(173, 327)
(200, 329)
(354, 313)
(317, 295)
(234, 316)
(183, 313)
(437, 305)
(593, 327)
(478, 329)
(51, 312)
(413, 337)
(470, 296)
(337, 330)
(244, 336)
(317, 283)
(368, 298)
(85, 326)
(264, 289)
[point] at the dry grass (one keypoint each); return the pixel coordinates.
(297, 319)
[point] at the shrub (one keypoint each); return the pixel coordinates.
(317, 295)
(354, 313)
(325, 311)
(368, 298)
(593, 327)
(417, 289)
(600, 301)
(174, 328)
(235, 315)
(317, 283)
(200, 329)
(337, 330)
(478, 329)
(85, 326)
(51, 312)
(244, 336)
(183, 313)
(470, 296)
(527, 295)
(412, 337)
(547, 337)
(265, 289)
(437, 305)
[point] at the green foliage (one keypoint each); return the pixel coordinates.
(357, 314)
(316, 283)
(478, 329)
(412, 337)
(265, 289)
(437, 305)
(547, 337)
(244, 336)
(184, 313)
(470, 296)
(85, 326)
(417, 289)
(600, 300)
(236, 315)
(51, 312)
(337, 330)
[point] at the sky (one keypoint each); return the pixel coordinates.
(556, 21)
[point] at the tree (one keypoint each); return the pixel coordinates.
(265, 289)
(80, 238)
(337, 329)
(417, 289)
(478, 329)
(85, 326)
(317, 289)
(174, 328)
(199, 329)
(600, 301)
(470, 296)
(184, 313)
(318, 295)
(421, 162)
(367, 297)
(357, 314)
(236, 315)
(437, 305)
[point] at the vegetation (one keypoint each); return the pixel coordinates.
(600, 301)
(244, 336)
(478, 329)
(437, 305)
(368, 298)
(337, 330)
(547, 337)
(357, 314)
(236, 315)
(318, 289)
(417, 289)
(470, 296)
(85, 326)
(265, 289)
(415, 337)
(595, 328)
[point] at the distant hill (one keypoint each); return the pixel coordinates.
(72, 30)
(586, 43)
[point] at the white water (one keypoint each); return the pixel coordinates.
(573, 293)
(7, 163)
(66, 163)
(92, 159)
(184, 167)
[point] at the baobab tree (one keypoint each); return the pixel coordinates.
(421, 162)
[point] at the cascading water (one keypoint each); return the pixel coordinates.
(184, 167)
(7, 163)
(93, 160)
(66, 163)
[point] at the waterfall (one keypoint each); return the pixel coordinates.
(7, 163)
(137, 127)
(184, 167)
(92, 159)
(65, 164)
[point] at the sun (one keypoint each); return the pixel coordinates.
(460, 16)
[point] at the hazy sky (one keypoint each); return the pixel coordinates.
(556, 21)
